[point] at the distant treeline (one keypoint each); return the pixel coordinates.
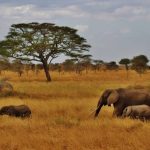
(43, 42)
(138, 63)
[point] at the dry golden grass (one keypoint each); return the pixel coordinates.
(60, 114)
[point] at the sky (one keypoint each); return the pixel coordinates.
(114, 28)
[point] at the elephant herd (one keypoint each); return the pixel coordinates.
(133, 103)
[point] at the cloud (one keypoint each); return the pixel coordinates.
(130, 10)
(70, 11)
(81, 28)
(7, 10)
(32, 11)
(117, 9)
(125, 12)
(124, 24)
(102, 4)
(107, 11)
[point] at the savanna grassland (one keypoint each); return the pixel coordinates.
(61, 111)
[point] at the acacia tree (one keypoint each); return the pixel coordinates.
(112, 65)
(79, 61)
(86, 62)
(68, 65)
(126, 62)
(139, 64)
(97, 64)
(43, 43)
(4, 64)
(17, 66)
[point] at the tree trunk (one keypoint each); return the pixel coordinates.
(126, 65)
(127, 68)
(46, 70)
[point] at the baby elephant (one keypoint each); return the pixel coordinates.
(17, 111)
(137, 112)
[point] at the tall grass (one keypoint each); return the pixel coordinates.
(61, 114)
(103, 76)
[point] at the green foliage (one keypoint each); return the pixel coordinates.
(97, 64)
(139, 63)
(42, 42)
(68, 65)
(126, 62)
(112, 65)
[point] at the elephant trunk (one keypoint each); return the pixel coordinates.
(100, 104)
(1, 113)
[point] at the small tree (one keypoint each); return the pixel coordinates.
(86, 62)
(79, 59)
(17, 66)
(139, 64)
(68, 65)
(55, 67)
(112, 65)
(43, 43)
(4, 64)
(97, 64)
(126, 62)
(27, 67)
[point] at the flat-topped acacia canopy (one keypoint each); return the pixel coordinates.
(43, 42)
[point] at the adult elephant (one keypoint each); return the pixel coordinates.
(121, 98)
(17, 111)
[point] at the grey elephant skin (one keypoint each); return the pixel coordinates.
(17, 111)
(121, 98)
(141, 112)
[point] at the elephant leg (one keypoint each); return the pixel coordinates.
(118, 111)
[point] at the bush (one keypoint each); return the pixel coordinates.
(6, 89)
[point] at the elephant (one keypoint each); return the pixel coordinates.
(121, 98)
(137, 112)
(17, 111)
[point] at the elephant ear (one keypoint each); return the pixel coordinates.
(129, 110)
(113, 97)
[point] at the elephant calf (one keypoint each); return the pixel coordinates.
(137, 111)
(17, 111)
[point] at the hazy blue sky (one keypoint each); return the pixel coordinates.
(115, 28)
